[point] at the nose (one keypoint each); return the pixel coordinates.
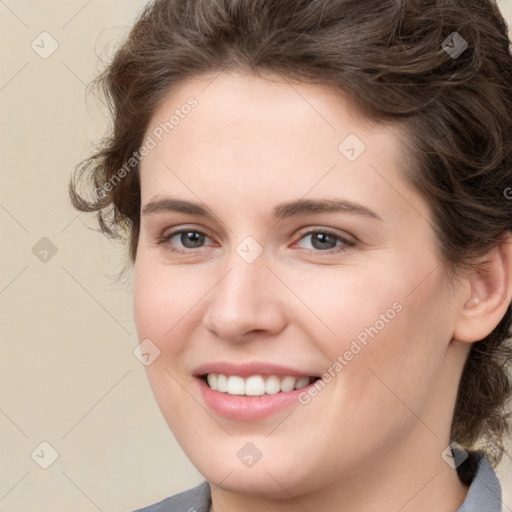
(246, 301)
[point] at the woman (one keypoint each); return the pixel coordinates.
(314, 195)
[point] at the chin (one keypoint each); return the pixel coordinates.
(261, 484)
(273, 476)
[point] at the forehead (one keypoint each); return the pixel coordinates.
(271, 105)
(248, 137)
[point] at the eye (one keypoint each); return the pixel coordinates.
(327, 241)
(189, 239)
(324, 240)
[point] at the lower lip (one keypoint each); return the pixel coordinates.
(247, 408)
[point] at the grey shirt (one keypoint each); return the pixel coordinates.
(484, 491)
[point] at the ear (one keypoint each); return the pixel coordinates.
(486, 295)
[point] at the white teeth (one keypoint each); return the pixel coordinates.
(255, 385)
(272, 385)
(222, 383)
(302, 382)
(212, 380)
(236, 385)
(288, 383)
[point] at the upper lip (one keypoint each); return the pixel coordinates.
(250, 368)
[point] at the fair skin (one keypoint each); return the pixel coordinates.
(372, 438)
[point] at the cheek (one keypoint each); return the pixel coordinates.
(343, 306)
(397, 363)
(163, 298)
(392, 330)
(163, 305)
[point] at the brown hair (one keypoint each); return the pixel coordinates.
(398, 62)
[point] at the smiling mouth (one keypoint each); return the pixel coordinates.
(255, 385)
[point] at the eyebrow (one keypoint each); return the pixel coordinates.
(281, 211)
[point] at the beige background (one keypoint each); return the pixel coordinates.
(67, 372)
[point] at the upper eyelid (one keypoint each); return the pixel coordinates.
(167, 233)
(301, 231)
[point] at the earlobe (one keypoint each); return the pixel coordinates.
(485, 301)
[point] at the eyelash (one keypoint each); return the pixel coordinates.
(164, 239)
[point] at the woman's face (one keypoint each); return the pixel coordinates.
(279, 242)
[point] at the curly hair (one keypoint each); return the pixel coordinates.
(440, 68)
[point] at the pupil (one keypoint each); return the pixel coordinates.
(323, 239)
(191, 237)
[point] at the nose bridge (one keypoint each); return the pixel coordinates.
(246, 265)
(239, 287)
(242, 301)
(241, 281)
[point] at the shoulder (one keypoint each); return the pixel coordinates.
(196, 499)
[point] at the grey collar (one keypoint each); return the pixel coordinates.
(485, 491)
